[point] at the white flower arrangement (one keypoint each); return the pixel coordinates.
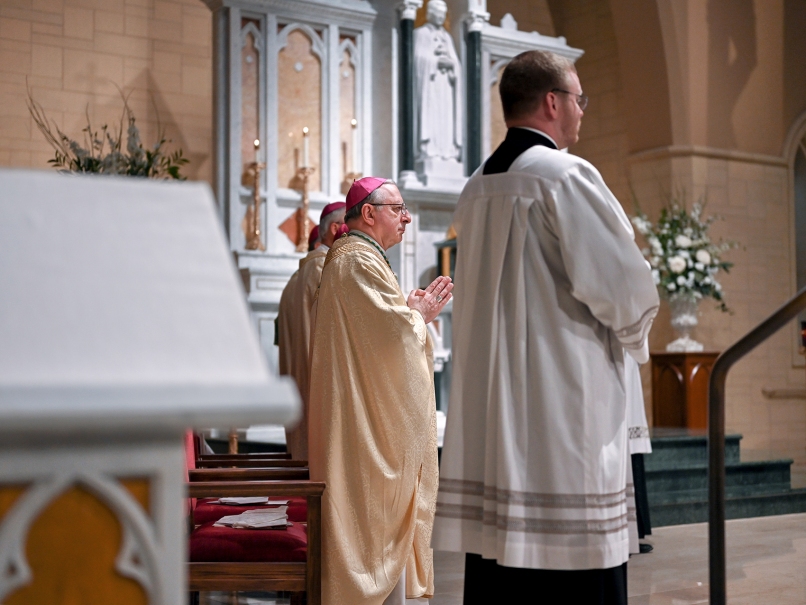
(684, 260)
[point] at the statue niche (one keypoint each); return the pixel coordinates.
(438, 100)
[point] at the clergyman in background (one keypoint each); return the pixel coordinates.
(294, 320)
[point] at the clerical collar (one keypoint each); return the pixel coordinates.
(372, 243)
(517, 141)
(540, 132)
(323, 248)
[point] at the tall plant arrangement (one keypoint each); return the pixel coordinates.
(102, 150)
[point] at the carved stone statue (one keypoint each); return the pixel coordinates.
(438, 94)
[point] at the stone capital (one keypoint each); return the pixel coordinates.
(408, 9)
(475, 20)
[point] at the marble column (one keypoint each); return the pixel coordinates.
(474, 21)
(407, 11)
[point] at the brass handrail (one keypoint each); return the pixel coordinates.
(716, 437)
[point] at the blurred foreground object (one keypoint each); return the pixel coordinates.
(123, 324)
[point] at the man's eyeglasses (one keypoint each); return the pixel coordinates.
(396, 208)
(582, 100)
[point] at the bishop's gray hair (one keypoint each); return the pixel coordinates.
(376, 197)
(329, 219)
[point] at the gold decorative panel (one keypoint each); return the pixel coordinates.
(140, 490)
(8, 496)
(72, 548)
(299, 91)
(498, 128)
(250, 92)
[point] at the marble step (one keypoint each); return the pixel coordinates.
(755, 477)
(737, 507)
(670, 450)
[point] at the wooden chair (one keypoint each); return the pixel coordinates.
(250, 463)
(272, 559)
(249, 474)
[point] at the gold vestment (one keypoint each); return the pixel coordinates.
(294, 325)
(372, 430)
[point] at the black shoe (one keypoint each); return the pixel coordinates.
(645, 548)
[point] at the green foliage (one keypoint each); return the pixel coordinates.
(103, 152)
(684, 260)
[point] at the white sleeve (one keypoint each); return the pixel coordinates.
(606, 269)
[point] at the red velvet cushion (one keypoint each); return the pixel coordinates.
(207, 512)
(225, 544)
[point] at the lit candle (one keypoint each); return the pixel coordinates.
(354, 124)
(257, 146)
(305, 148)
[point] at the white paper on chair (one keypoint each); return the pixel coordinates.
(237, 500)
(250, 500)
(256, 519)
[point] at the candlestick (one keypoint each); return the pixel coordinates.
(251, 221)
(303, 220)
(305, 148)
(354, 124)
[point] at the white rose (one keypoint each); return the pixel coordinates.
(699, 266)
(677, 264)
(683, 241)
(656, 276)
(671, 287)
(681, 281)
(703, 256)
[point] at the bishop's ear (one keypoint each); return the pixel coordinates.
(368, 214)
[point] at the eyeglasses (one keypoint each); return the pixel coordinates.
(582, 100)
(396, 208)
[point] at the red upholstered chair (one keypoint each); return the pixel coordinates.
(223, 558)
(208, 510)
(229, 559)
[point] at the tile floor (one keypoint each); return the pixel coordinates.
(766, 565)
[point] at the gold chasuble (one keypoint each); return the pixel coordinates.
(373, 435)
(294, 338)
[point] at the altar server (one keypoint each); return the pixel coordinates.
(373, 436)
(551, 291)
(295, 319)
(638, 445)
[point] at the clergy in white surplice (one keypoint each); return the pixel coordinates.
(638, 444)
(551, 294)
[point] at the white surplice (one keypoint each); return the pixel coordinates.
(550, 292)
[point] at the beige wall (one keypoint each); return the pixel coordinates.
(603, 137)
(533, 16)
(74, 53)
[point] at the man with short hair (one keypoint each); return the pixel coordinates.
(552, 293)
(373, 436)
(295, 320)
